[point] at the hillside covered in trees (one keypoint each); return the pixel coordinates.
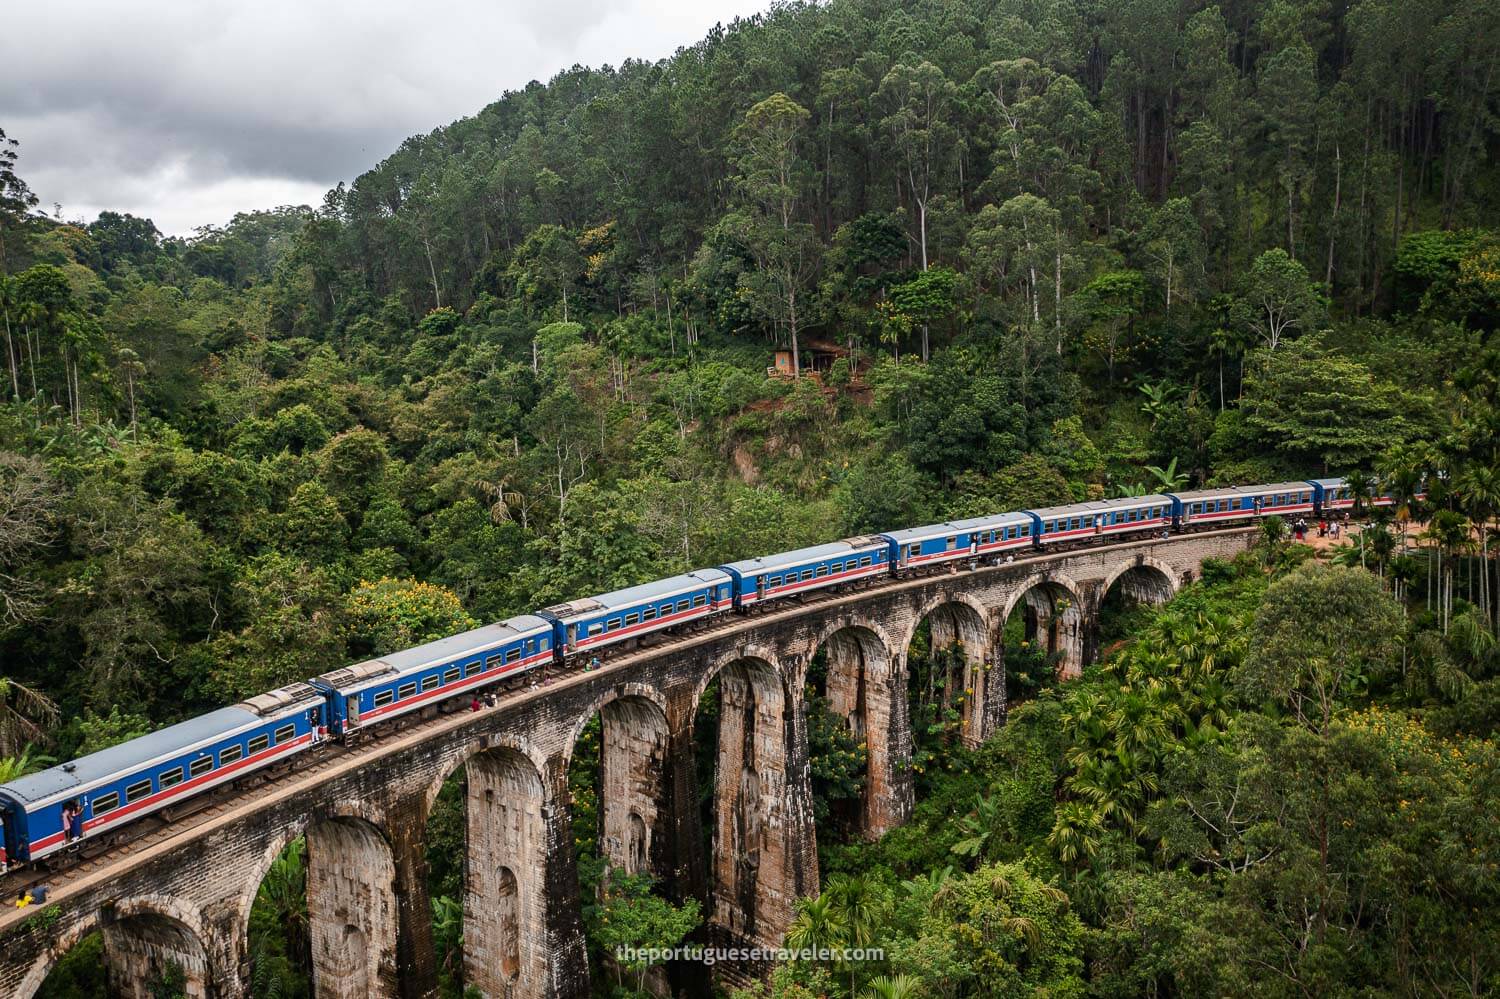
(1043, 250)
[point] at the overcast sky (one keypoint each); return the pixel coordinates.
(186, 111)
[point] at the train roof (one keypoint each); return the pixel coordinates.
(1328, 483)
(750, 566)
(956, 526)
(1274, 487)
(1218, 492)
(633, 595)
(127, 757)
(1100, 506)
(465, 643)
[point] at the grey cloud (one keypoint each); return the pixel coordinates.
(111, 101)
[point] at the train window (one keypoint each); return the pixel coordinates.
(612, 623)
(649, 614)
(865, 561)
(807, 574)
(200, 766)
(821, 570)
(138, 790)
(405, 690)
(594, 629)
(682, 605)
(384, 697)
(229, 754)
(258, 744)
(544, 644)
(169, 778)
(286, 733)
(511, 655)
(631, 619)
(431, 682)
(950, 543)
(106, 803)
(452, 674)
(1025, 530)
(699, 600)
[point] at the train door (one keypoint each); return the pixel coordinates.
(760, 587)
(351, 711)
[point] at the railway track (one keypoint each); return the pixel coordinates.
(161, 832)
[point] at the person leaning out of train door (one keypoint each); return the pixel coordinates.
(70, 809)
(4, 860)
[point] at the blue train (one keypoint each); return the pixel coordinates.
(51, 812)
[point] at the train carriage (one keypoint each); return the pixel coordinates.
(392, 685)
(1080, 521)
(757, 580)
(1280, 498)
(123, 783)
(1331, 495)
(1200, 506)
(938, 543)
(600, 621)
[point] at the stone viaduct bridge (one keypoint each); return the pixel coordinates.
(182, 894)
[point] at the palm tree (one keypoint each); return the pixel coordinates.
(23, 763)
(978, 826)
(1479, 490)
(1361, 490)
(1077, 832)
(1168, 478)
(893, 987)
(818, 925)
(861, 911)
(1450, 531)
(1221, 344)
(25, 715)
(502, 498)
(1159, 396)
(283, 893)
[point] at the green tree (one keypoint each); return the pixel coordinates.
(771, 177)
(1322, 634)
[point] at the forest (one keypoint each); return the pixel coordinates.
(1018, 252)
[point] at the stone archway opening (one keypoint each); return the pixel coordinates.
(79, 971)
(488, 852)
(503, 876)
(952, 676)
(622, 823)
(741, 738)
(351, 908)
(1127, 598)
(836, 705)
(136, 953)
(278, 931)
(1042, 639)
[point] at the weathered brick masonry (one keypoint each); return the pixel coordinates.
(182, 896)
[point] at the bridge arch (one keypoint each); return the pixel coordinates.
(1053, 608)
(756, 871)
(864, 682)
(1157, 582)
(466, 752)
(36, 976)
(143, 936)
(509, 809)
(957, 622)
(351, 902)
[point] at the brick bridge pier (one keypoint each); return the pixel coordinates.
(182, 895)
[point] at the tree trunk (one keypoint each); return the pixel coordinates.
(1333, 222)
